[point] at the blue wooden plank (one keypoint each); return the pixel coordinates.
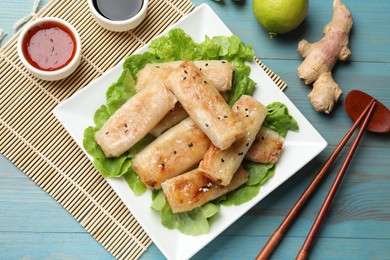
(33, 225)
(35, 245)
(19, 192)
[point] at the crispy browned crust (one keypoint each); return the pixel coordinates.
(174, 152)
(134, 119)
(192, 189)
(205, 105)
(266, 148)
(220, 165)
(218, 72)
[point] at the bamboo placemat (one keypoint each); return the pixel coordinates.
(32, 138)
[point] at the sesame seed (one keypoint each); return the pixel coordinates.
(240, 153)
(206, 125)
(223, 61)
(184, 78)
(225, 116)
(106, 133)
(175, 152)
(185, 72)
(205, 82)
(190, 145)
(207, 64)
(222, 160)
(205, 188)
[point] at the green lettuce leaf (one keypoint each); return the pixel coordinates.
(279, 119)
(194, 222)
(134, 182)
(158, 199)
(119, 92)
(258, 175)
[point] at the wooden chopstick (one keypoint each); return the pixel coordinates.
(302, 254)
(277, 236)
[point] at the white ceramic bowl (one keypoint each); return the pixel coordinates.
(119, 26)
(52, 74)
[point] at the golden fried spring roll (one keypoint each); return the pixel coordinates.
(267, 147)
(172, 153)
(218, 72)
(219, 165)
(205, 105)
(173, 117)
(192, 189)
(176, 115)
(134, 119)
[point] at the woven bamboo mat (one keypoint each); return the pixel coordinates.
(36, 143)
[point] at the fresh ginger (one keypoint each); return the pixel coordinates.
(320, 58)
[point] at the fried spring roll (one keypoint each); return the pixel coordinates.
(266, 148)
(219, 72)
(172, 153)
(173, 117)
(192, 189)
(134, 119)
(205, 105)
(219, 165)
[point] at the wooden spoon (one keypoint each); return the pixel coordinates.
(356, 101)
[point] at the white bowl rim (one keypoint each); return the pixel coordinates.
(53, 73)
(134, 18)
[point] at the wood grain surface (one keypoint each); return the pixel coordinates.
(35, 226)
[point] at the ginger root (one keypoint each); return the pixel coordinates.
(320, 58)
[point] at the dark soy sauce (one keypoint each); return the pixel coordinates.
(118, 10)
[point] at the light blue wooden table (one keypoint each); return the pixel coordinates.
(35, 226)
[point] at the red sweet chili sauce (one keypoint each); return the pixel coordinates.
(49, 46)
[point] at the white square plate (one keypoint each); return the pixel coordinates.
(77, 112)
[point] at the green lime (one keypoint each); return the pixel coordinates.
(280, 16)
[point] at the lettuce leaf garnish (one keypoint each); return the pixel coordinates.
(279, 119)
(177, 45)
(194, 222)
(258, 175)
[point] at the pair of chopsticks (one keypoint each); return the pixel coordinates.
(279, 232)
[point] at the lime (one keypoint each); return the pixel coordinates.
(280, 16)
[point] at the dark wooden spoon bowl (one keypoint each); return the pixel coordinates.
(356, 101)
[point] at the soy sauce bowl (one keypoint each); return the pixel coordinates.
(50, 48)
(118, 25)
